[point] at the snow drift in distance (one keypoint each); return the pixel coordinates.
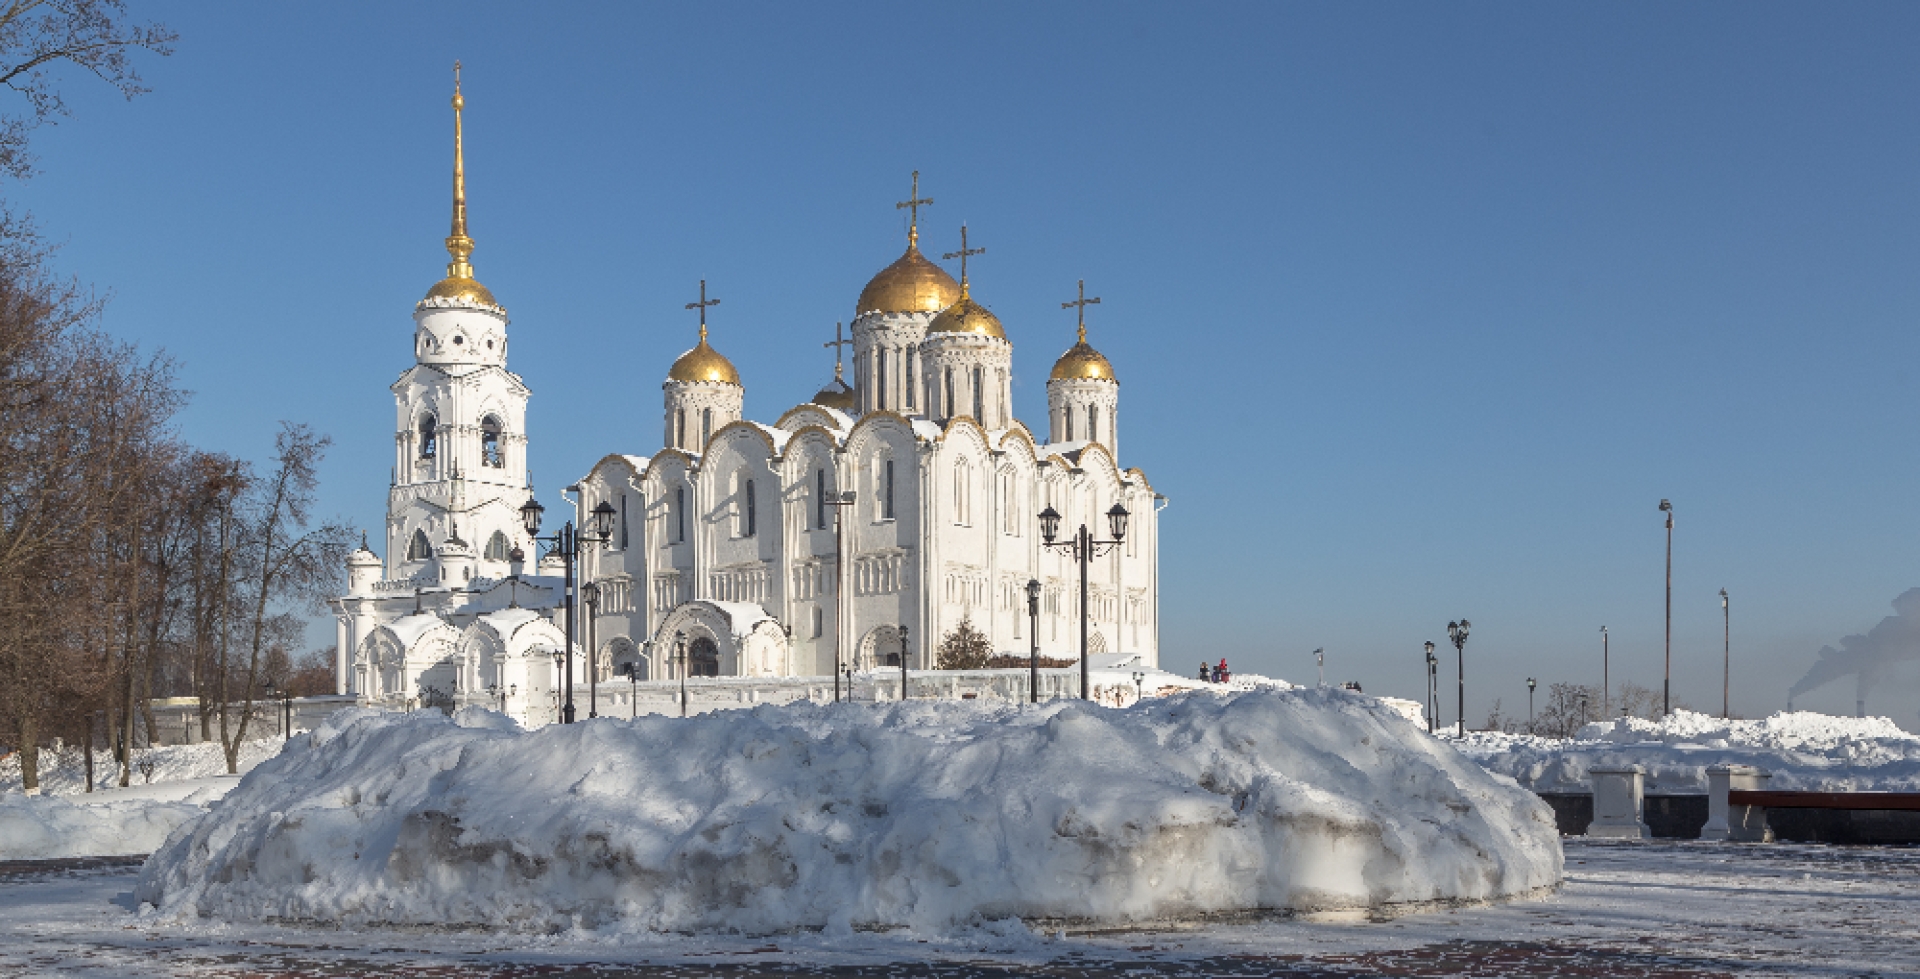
(924, 815)
(1803, 750)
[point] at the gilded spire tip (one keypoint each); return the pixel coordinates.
(458, 244)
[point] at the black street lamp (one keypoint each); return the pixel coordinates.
(1320, 663)
(839, 502)
(568, 544)
(903, 662)
(1139, 688)
(1033, 651)
(590, 593)
(633, 691)
(1084, 548)
(1433, 688)
(680, 653)
(1457, 631)
(1530, 705)
(1666, 685)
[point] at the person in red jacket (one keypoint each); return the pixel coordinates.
(1221, 673)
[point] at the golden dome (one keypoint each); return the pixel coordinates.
(911, 285)
(703, 363)
(967, 316)
(461, 288)
(835, 395)
(1082, 363)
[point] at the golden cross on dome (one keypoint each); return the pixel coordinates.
(962, 256)
(1083, 302)
(702, 307)
(913, 204)
(836, 345)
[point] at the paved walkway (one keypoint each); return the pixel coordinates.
(1655, 909)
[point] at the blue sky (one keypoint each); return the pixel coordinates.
(1419, 310)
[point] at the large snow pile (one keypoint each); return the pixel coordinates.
(119, 822)
(923, 814)
(63, 770)
(1803, 750)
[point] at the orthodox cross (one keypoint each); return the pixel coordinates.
(962, 256)
(836, 345)
(702, 307)
(1083, 302)
(913, 203)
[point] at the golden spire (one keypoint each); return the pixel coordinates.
(458, 244)
(913, 204)
(1083, 302)
(962, 256)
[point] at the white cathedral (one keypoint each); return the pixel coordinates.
(857, 528)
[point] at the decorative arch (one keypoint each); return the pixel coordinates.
(880, 648)
(418, 547)
(491, 453)
(429, 435)
(498, 547)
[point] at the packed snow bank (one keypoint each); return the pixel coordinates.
(63, 770)
(112, 824)
(1803, 750)
(923, 814)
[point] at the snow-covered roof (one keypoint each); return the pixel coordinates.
(926, 429)
(778, 435)
(409, 628)
(742, 615)
(504, 621)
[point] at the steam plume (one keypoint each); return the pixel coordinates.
(1871, 658)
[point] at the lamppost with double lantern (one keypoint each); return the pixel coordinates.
(1083, 548)
(567, 543)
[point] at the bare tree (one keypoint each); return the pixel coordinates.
(39, 36)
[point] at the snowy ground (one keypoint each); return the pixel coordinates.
(64, 771)
(1803, 750)
(1625, 909)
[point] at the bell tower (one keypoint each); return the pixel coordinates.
(460, 467)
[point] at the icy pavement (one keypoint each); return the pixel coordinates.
(1626, 909)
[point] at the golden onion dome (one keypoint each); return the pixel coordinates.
(463, 289)
(913, 284)
(703, 364)
(967, 316)
(835, 395)
(1082, 363)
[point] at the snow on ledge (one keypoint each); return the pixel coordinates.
(926, 815)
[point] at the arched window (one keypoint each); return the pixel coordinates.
(497, 547)
(680, 514)
(819, 621)
(880, 377)
(623, 521)
(913, 354)
(948, 375)
(706, 427)
(979, 396)
(750, 510)
(429, 437)
(1069, 410)
(820, 499)
(680, 428)
(418, 549)
(886, 491)
(490, 454)
(703, 658)
(1093, 424)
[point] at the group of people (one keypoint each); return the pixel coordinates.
(1215, 674)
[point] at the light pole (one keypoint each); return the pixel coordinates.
(680, 653)
(903, 662)
(1606, 699)
(1320, 660)
(1457, 631)
(1084, 548)
(1033, 651)
(1433, 688)
(1727, 659)
(1666, 685)
(839, 503)
(567, 543)
(1583, 710)
(1530, 705)
(1139, 686)
(633, 693)
(590, 593)
(559, 681)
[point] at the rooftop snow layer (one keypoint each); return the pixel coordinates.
(1804, 751)
(925, 814)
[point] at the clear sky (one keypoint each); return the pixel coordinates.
(1419, 310)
